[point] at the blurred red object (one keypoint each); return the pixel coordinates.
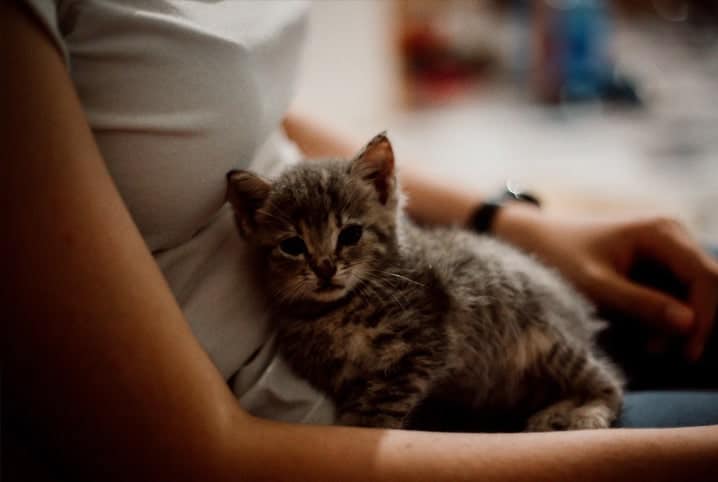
(439, 65)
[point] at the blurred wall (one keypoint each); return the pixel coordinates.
(347, 76)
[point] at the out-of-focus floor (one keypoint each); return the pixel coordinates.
(585, 159)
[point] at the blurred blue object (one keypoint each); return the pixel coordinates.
(572, 53)
(582, 28)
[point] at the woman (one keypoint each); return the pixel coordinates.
(128, 308)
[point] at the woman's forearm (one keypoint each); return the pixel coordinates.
(296, 452)
(100, 367)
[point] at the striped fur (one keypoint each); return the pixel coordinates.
(412, 313)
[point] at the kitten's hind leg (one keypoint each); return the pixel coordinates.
(591, 384)
(553, 417)
(600, 385)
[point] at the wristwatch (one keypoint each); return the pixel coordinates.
(483, 216)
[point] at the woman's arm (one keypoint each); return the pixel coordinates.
(97, 356)
(350, 454)
(101, 367)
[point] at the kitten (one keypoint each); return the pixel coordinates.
(382, 314)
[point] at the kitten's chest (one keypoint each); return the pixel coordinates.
(355, 342)
(364, 346)
(366, 336)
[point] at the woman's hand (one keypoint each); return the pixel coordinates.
(598, 256)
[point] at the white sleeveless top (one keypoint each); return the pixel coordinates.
(178, 93)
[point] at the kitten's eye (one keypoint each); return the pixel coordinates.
(293, 246)
(350, 235)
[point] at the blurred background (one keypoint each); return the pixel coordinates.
(601, 107)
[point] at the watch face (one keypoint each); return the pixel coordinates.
(514, 191)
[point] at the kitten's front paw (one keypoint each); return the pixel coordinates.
(553, 417)
(590, 417)
(566, 415)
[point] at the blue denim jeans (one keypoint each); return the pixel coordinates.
(667, 408)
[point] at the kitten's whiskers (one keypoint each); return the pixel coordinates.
(382, 287)
(401, 277)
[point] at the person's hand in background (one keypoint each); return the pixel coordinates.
(598, 256)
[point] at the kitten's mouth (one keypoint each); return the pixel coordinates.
(328, 288)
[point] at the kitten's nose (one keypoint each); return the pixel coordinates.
(325, 269)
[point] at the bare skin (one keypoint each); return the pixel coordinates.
(100, 363)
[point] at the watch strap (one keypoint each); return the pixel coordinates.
(483, 217)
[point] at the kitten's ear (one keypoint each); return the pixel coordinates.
(375, 164)
(246, 193)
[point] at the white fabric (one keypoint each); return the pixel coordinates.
(177, 94)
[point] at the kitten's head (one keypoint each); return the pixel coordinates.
(322, 226)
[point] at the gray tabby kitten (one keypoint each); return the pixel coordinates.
(382, 314)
